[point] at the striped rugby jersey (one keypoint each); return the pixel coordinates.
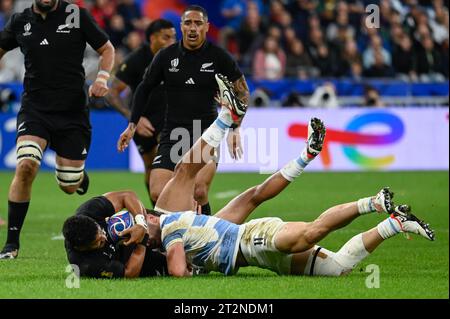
(209, 242)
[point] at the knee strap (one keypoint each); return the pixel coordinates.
(28, 150)
(69, 176)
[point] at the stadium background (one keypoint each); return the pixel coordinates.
(385, 108)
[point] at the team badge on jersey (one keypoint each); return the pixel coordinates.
(27, 28)
(174, 63)
(206, 67)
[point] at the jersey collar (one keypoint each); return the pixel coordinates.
(185, 51)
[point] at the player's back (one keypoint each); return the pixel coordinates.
(208, 241)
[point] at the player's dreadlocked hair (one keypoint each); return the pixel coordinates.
(80, 231)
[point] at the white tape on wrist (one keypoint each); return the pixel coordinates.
(140, 220)
(104, 73)
(102, 80)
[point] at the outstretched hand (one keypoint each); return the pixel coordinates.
(125, 138)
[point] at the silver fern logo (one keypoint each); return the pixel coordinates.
(27, 28)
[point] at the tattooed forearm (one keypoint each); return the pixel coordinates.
(242, 91)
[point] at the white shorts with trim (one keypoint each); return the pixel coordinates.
(258, 245)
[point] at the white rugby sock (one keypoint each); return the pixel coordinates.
(295, 167)
(365, 206)
(389, 227)
(216, 132)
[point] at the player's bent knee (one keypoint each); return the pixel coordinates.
(201, 192)
(69, 178)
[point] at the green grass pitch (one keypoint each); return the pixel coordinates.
(413, 268)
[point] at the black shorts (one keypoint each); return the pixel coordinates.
(67, 133)
(172, 148)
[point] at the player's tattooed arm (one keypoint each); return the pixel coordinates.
(242, 90)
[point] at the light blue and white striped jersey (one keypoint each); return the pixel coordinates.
(209, 242)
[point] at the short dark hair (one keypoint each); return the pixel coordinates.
(157, 26)
(198, 8)
(80, 231)
(153, 212)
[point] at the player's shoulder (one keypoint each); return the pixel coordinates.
(23, 16)
(216, 48)
(171, 49)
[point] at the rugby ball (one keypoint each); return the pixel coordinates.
(118, 223)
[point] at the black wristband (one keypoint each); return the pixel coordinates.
(144, 241)
(234, 126)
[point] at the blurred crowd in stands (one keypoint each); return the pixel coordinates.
(302, 39)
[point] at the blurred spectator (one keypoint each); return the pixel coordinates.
(6, 10)
(233, 11)
(250, 36)
(117, 30)
(429, 61)
(269, 61)
(372, 97)
(133, 41)
(301, 10)
(376, 48)
(298, 62)
(102, 11)
(404, 59)
(324, 97)
(350, 63)
(379, 68)
(131, 14)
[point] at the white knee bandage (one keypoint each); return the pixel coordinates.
(69, 176)
(323, 262)
(28, 150)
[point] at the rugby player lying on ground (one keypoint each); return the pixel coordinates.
(218, 243)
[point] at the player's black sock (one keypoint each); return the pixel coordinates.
(16, 216)
(153, 202)
(206, 209)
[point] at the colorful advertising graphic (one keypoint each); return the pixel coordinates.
(358, 139)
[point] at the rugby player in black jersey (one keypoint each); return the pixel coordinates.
(188, 70)
(52, 35)
(159, 34)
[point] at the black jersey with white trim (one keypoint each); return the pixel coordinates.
(53, 49)
(189, 81)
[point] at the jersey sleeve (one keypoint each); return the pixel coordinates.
(8, 39)
(125, 72)
(172, 238)
(102, 268)
(97, 208)
(229, 66)
(94, 35)
(153, 76)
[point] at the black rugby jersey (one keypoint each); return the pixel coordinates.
(110, 261)
(189, 81)
(53, 49)
(131, 72)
